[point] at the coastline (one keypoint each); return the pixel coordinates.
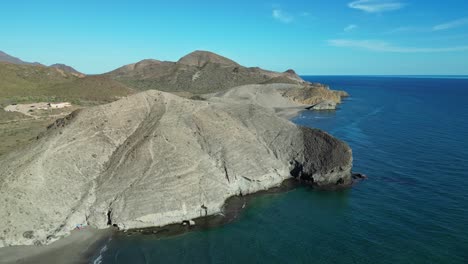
(83, 246)
(77, 248)
(232, 210)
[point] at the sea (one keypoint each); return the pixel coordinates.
(409, 135)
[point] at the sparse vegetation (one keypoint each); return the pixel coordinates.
(17, 130)
(29, 83)
(195, 74)
(20, 84)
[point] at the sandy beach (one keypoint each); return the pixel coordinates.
(76, 248)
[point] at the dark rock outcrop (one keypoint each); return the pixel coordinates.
(327, 160)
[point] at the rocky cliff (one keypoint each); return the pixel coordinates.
(283, 96)
(153, 159)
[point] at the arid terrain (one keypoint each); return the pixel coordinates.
(94, 150)
(194, 75)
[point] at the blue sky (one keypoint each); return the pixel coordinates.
(318, 37)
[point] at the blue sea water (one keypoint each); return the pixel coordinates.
(408, 134)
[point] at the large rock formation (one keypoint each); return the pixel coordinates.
(281, 96)
(153, 159)
(315, 93)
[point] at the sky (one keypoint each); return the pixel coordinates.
(313, 37)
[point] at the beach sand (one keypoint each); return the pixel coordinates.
(76, 248)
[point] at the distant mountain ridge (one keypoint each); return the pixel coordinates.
(31, 81)
(198, 72)
(20, 80)
(4, 57)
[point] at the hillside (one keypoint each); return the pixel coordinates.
(68, 69)
(29, 80)
(90, 88)
(23, 83)
(198, 72)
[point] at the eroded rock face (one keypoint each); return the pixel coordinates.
(314, 94)
(327, 161)
(153, 159)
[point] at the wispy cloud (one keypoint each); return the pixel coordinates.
(376, 6)
(382, 46)
(350, 28)
(282, 16)
(445, 26)
(452, 24)
(408, 29)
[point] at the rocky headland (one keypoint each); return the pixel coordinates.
(154, 158)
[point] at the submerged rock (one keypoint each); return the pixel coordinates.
(154, 159)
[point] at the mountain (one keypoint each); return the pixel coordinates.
(153, 159)
(202, 58)
(4, 57)
(198, 72)
(67, 68)
(29, 80)
(10, 59)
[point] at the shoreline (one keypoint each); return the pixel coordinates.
(233, 207)
(290, 113)
(84, 246)
(77, 248)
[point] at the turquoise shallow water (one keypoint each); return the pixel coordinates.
(409, 135)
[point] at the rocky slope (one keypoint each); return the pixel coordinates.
(68, 69)
(314, 93)
(198, 72)
(153, 159)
